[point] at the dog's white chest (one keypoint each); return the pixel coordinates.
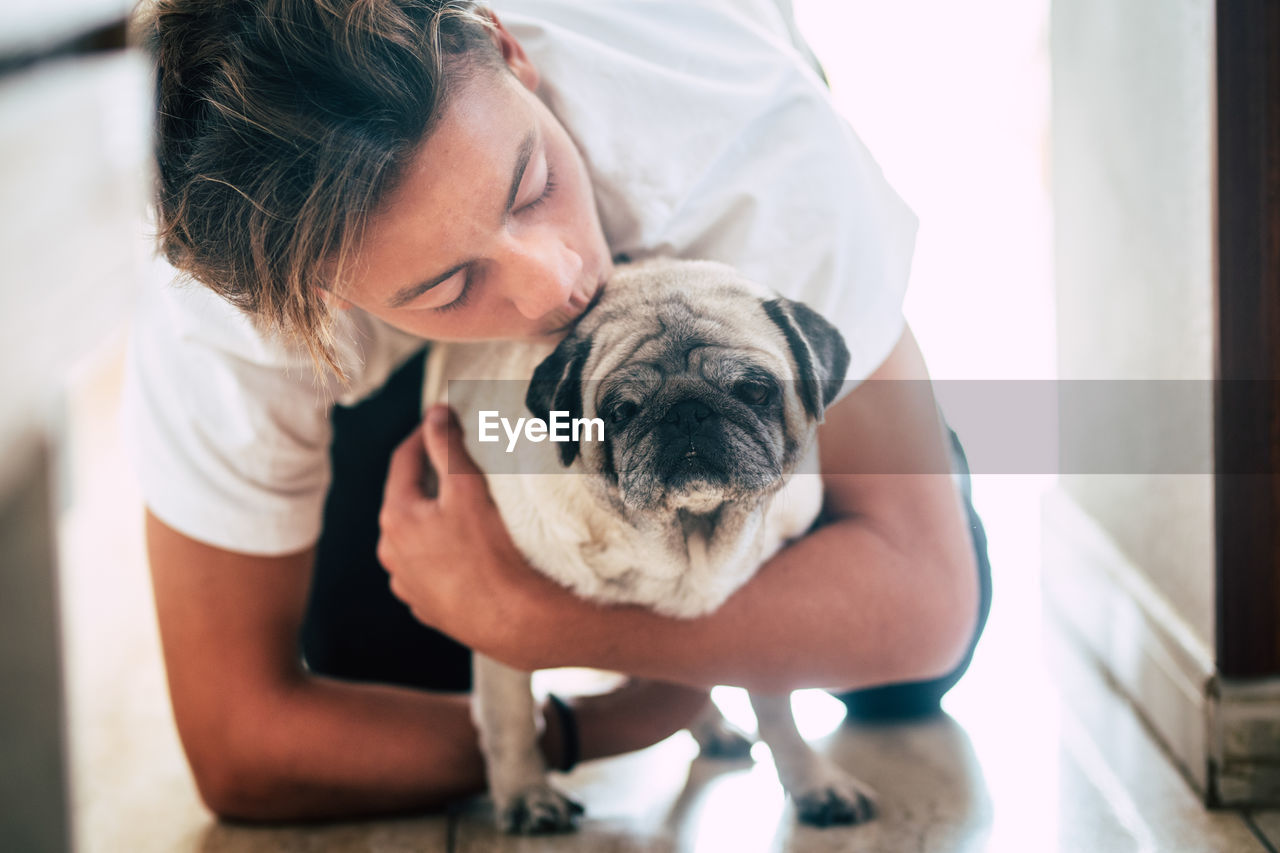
(557, 516)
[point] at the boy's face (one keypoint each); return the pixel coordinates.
(492, 231)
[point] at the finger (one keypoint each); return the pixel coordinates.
(406, 473)
(448, 453)
(399, 590)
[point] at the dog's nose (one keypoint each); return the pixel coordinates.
(688, 413)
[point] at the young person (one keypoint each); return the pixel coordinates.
(346, 179)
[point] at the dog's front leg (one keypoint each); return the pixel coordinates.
(823, 793)
(505, 715)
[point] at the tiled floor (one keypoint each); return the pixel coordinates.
(1015, 765)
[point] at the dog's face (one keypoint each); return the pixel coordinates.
(710, 386)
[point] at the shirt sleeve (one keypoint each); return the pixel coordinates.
(229, 437)
(229, 430)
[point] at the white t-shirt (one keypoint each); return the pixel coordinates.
(706, 134)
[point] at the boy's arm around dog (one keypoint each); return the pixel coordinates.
(884, 591)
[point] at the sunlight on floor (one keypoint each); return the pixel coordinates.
(1007, 703)
(817, 713)
(953, 102)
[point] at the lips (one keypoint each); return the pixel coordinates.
(560, 320)
(582, 296)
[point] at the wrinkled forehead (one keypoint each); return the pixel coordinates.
(681, 323)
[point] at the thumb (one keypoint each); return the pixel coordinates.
(447, 451)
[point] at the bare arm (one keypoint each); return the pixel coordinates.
(885, 591)
(268, 741)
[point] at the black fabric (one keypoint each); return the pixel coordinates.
(922, 698)
(570, 742)
(354, 627)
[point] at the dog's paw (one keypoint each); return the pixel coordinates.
(720, 739)
(538, 810)
(838, 800)
(723, 742)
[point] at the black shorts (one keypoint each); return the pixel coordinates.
(356, 629)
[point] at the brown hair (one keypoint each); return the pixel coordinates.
(281, 124)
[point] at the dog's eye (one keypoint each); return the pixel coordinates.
(624, 411)
(752, 393)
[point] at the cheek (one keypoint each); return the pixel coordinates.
(577, 203)
(578, 195)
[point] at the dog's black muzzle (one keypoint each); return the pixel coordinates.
(693, 445)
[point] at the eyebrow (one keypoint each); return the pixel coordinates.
(405, 295)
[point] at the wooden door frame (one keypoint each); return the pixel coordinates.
(1247, 348)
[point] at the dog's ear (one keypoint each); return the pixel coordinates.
(557, 386)
(819, 352)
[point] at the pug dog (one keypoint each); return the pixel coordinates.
(699, 393)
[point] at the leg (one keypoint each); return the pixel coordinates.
(823, 793)
(507, 720)
(923, 698)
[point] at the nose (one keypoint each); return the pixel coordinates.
(687, 413)
(541, 275)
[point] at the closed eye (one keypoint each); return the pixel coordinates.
(547, 189)
(464, 295)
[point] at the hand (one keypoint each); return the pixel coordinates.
(450, 557)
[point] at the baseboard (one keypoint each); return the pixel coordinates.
(1224, 733)
(1244, 730)
(1146, 649)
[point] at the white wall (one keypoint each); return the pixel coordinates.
(1132, 179)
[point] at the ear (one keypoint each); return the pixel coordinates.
(819, 352)
(557, 385)
(513, 54)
